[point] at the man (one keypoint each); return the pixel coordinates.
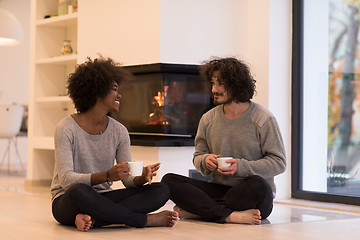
(237, 128)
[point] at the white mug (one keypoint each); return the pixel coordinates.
(222, 161)
(136, 168)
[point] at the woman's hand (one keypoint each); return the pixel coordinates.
(211, 162)
(148, 173)
(118, 172)
(231, 170)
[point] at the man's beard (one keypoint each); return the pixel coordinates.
(227, 101)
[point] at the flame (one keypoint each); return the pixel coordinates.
(160, 98)
(157, 116)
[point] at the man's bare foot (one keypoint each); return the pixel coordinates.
(184, 214)
(251, 216)
(162, 219)
(83, 222)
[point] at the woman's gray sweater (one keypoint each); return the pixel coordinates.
(78, 154)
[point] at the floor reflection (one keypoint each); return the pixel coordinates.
(284, 212)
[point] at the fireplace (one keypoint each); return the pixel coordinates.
(163, 104)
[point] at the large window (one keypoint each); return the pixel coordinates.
(326, 101)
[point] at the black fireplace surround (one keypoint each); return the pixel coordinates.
(163, 104)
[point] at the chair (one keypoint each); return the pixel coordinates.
(10, 122)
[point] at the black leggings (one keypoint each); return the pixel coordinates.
(127, 206)
(215, 202)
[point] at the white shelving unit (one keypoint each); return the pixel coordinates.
(49, 70)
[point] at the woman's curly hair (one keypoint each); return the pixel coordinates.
(234, 74)
(93, 79)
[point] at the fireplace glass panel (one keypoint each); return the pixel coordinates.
(163, 104)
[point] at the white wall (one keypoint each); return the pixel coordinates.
(130, 32)
(14, 68)
(14, 60)
(193, 31)
(279, 65)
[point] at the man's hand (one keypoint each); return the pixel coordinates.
(231, 170)
(211, 162)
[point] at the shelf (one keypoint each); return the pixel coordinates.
(59, 21)
(58, 60)
(49, 72)
(53, 99)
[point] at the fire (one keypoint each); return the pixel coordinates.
(157, 116)
(160, 98)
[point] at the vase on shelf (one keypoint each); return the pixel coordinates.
(66, 48)
(63, 6)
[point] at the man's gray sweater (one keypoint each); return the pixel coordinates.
(254, 139)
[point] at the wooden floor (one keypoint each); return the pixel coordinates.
(26, 214)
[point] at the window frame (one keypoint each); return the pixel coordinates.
(297, 92)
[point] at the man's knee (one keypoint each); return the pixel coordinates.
(169, 177)
(258, 182)
(255, 178)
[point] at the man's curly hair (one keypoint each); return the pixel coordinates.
(93, 79)
(234, 74)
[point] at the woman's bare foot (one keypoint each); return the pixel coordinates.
(162, 219)
(251, 216)
(184, 214)
(83, 222)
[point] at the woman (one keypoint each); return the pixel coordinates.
(86, 145)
